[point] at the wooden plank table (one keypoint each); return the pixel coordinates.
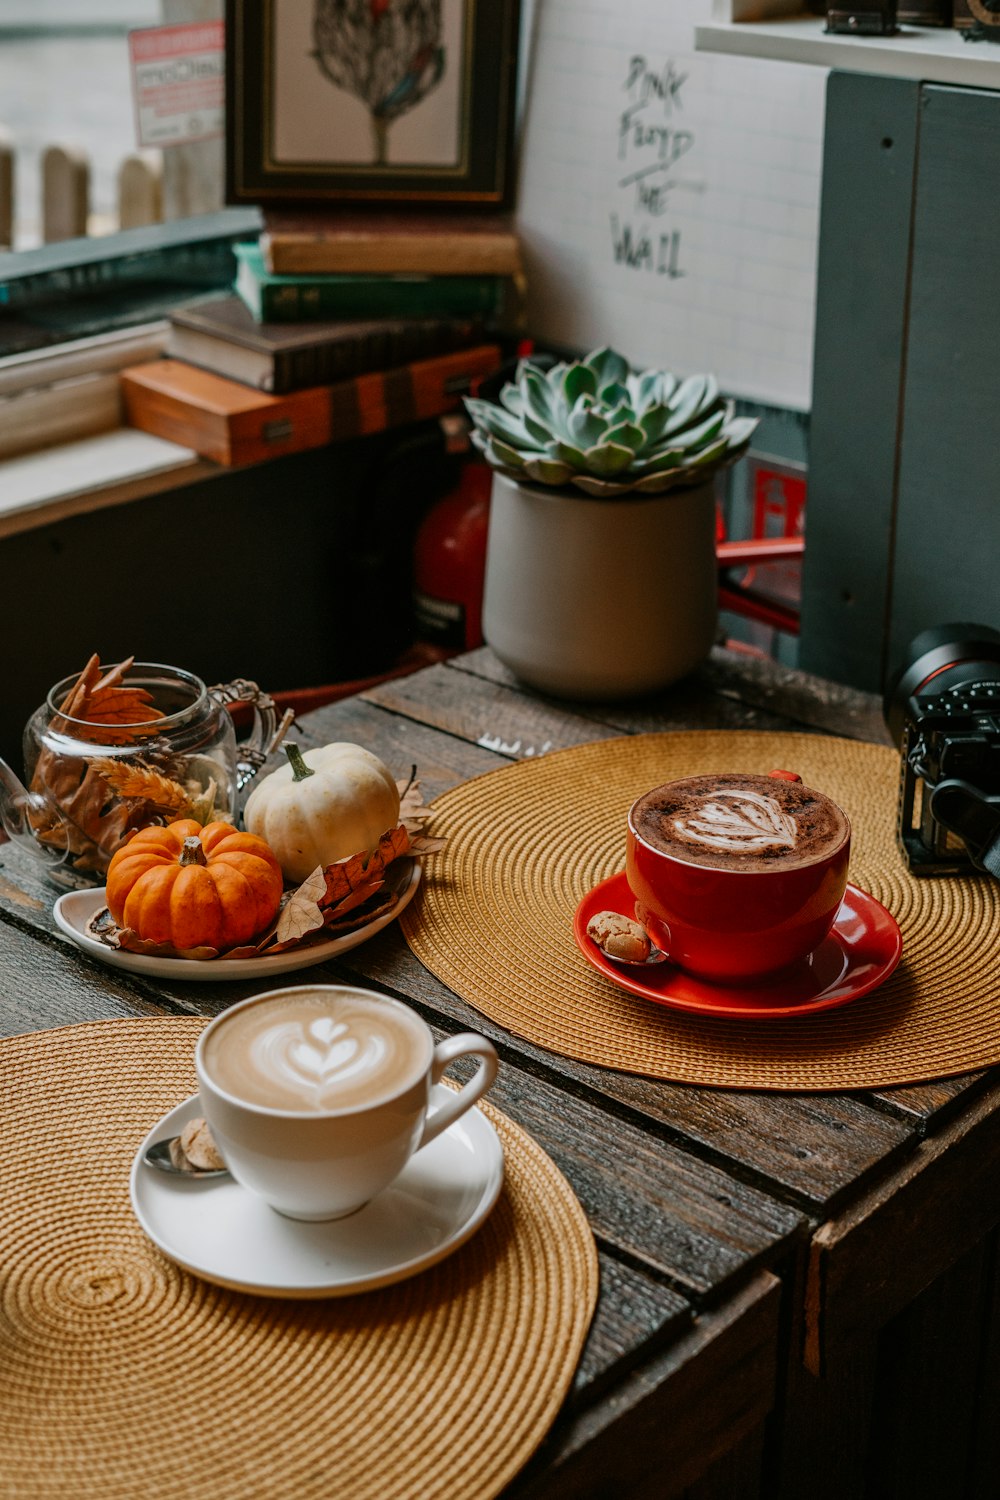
(798, 1292)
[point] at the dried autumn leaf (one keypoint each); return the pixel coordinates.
(103, 927)
(105, 700)
(361, 869)
(413, 811)
(301, 913)
(90, 823)
(420, 843)
(361, 918)
(355, 898)
(82, 816)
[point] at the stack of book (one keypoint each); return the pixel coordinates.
(336, 327)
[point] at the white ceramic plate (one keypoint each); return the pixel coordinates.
(225, 1234)
(75, 909)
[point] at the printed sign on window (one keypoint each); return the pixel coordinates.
(178, 77)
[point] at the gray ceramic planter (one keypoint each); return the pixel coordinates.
(600, 599)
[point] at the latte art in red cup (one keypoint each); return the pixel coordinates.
(736, 876)
(737, 822)
(734, 822)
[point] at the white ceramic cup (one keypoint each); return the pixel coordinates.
(319, 1164)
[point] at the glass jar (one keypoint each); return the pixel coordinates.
(168, 751)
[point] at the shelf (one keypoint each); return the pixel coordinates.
(71, 479)
(927, 54)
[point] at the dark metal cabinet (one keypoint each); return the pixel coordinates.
(903, 524)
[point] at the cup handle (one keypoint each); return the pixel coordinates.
(658, 932)
(266, 734)
(445, 1054)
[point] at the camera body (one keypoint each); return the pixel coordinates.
(943, 711)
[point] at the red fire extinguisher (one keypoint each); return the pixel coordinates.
(449, 554)
(449, 562)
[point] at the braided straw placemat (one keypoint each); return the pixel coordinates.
(525, 844)
(124, 1376)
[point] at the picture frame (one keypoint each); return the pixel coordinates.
(409, 102)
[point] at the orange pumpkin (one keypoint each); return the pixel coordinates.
(193, 886)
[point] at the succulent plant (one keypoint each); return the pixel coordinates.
(597, 426)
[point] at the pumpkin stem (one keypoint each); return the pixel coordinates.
(295, 758)
(191, 852)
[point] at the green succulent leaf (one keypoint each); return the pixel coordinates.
(512, 399)
(498, 422)
(537, 397)
(656, 484)
(567, 454)
(740, 431)
(607, 366)
(654, 423)
(601, 489)
(627, 435)
(687, 415)
(547, 470)
(543, 402)
(693, 396)
(525, 367)
(623, 412)
(696, 437)
(707, 455)
(585, 426)
(502, 456)
(539, 432)
(654, 388)
(578, 381)
(608, 458)
(670, 458)
(613, 394)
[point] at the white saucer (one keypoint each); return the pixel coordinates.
(75, 909)
(225, 1234)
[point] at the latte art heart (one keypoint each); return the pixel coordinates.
(744, 821)
(315, 1049)
(319, 1058)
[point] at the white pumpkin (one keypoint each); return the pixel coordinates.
(325, 805)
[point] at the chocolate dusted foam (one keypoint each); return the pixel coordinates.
(732, 821)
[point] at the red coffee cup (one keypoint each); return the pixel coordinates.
(756, 911)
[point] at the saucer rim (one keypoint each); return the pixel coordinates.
(489, 1149)
(729, 1007)
(218, 969)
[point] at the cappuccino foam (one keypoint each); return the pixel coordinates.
(315, 1050)
(736, 822)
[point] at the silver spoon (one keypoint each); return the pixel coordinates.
(656, 956)
(167, 1156)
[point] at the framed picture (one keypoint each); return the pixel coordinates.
(410, 101)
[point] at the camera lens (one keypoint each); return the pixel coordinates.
(946, 656)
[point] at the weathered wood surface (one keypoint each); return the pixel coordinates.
(673, 1425)
(733, 691)
(871, 1261)
(745, 1239)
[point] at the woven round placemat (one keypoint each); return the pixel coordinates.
(525, 844)
(125, 1376)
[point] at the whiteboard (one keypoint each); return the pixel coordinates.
(668, 200)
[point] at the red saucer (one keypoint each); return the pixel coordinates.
(861, 951)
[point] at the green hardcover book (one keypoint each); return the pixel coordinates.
(290, 299)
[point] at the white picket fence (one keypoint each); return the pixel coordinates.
(65, 193)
